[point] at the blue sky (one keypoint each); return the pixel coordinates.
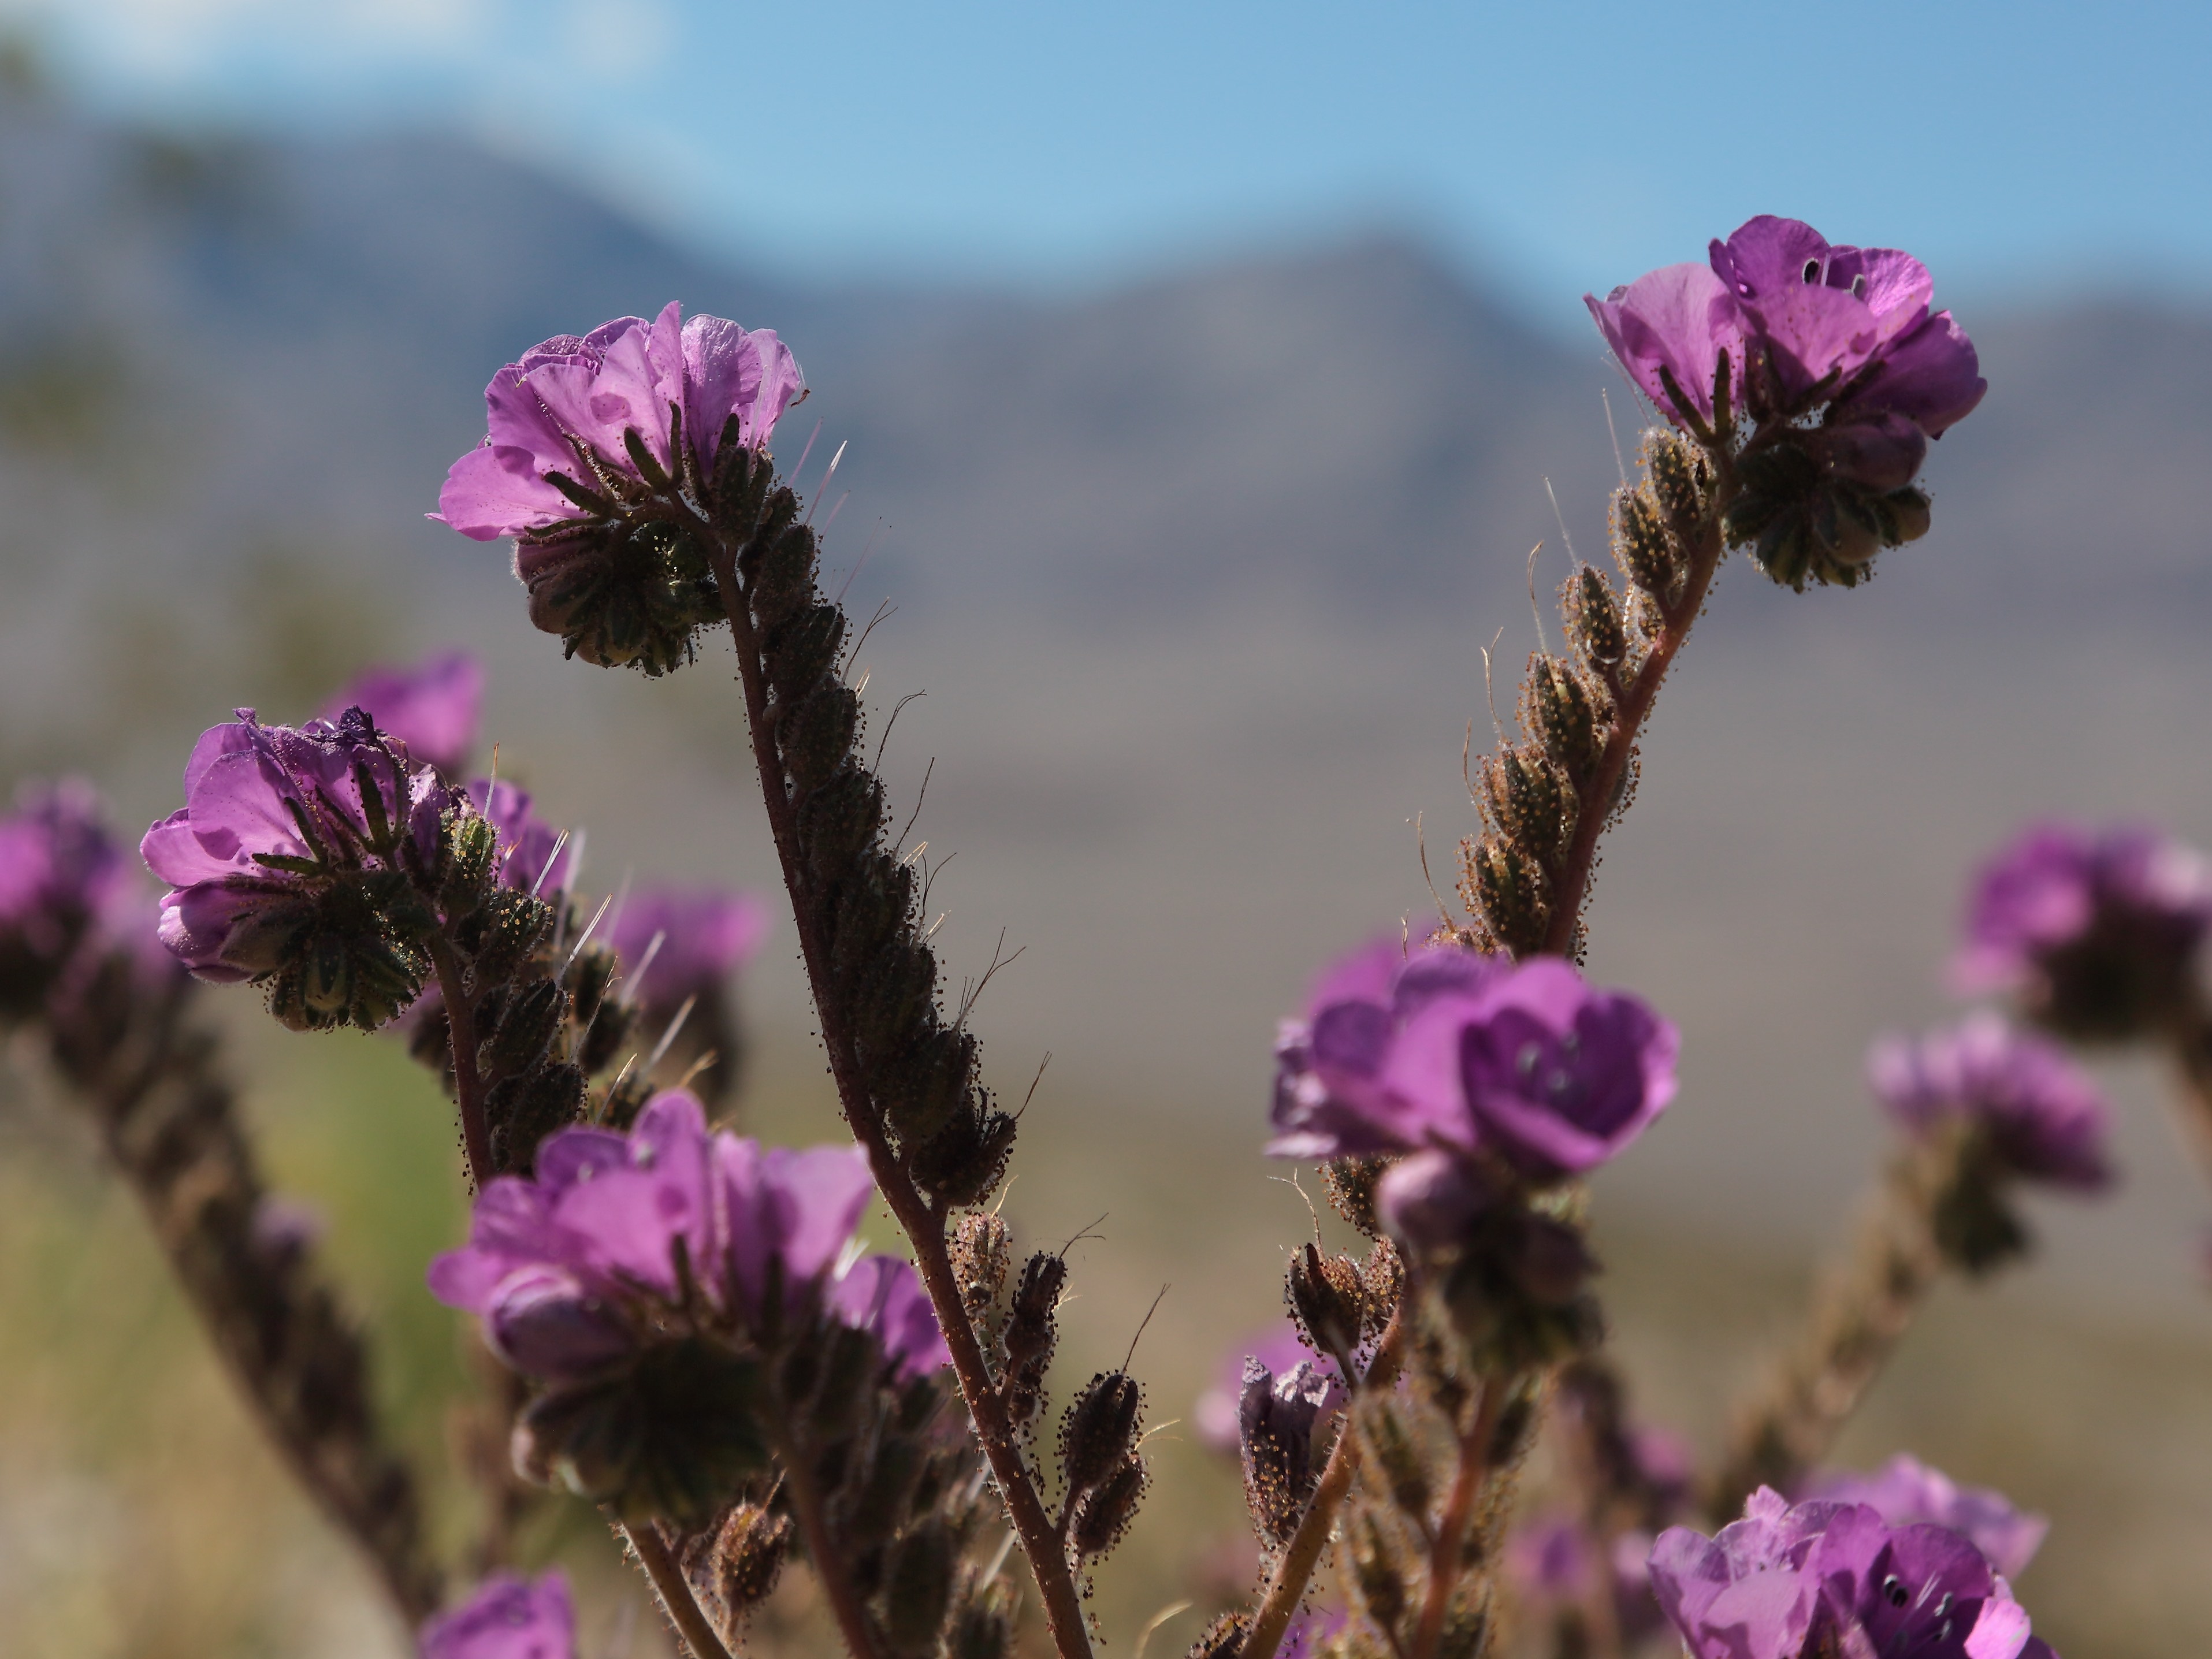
(2020, 148)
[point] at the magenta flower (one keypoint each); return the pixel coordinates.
(1279, 1420)
(2044, 1118)
(507, 1617)
(433, 709)
(884, 1295)
(1668, 329)
(1826, 1577)
(575, 1270)
(1849, 327)
(564, 411)
(1907, 1491)
(533, 857)
(1277, 1349)
(675, 943)
(2095, 932)
(60, 870)
(291, 864)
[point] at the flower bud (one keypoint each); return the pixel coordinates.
(1645, 545)
(1036, 1299)
(918, 1588)
(526, 1025)
(871, 903)
(818, 734)
(785, 577)
(843, 1383)
(500, 937)
(1592, 613)
(1277, 1418)
(544, 1324)
(1529, 800)
(1566, 713)
(1375, 1569)
(1508, 890)
(1099, 1428)
(963, 1163)
(1350, 1183)
(979, 1249)
(1103, 1515)
(892, 997)
(1391, 1443)
(1681, 478)
(521, 1111)
(1324, 1295)
(838, 821)
(800, 651)
(922, 1089)
(749, 1553)
(466, 863)
(777, 510)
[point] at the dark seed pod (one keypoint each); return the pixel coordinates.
(1567, 714)
(501, 936)
(892, 995)
(869, 907)
(818, 734)
(1642, 542)
(1222, 1639)
(465, 862)
(740, 479)
(840, 820)
(979, 1249)
(1507, 889)
(1681, 478)
(1529, 799)
(749, 1552)
(920, 1091)
(785, 578)
(800, 651)
(524, 1031)
(1036, 1296)
(1098, 1429)
(1103, 1515)
(1592, 612)
(1325, 1298)
(918, 1588)
(962, 1163)
(523, 1110)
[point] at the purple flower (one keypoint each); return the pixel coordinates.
(1448, 1048)
(2093, 932)
(433, 709)
(882, 1294)
(507, 1618)
(566, 407)
(1907, 1491)
(1279, 1417)
(2045, 1120)
(60, 870)
(1846, 326)
(1672, 324)
(1279, 1349)
(289, 863)
(675, 943)
(533, 857)
(1828, 1578)
(573, 1270)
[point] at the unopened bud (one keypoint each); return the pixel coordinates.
(1643, 544)
(871, 903)
(1391, 1443)
(962, 1163)
(749, 1552)
(785, 577)
(1681, 477)
(1592, 612)
(501, 936)
(467, 856)
(838, 820)
(923, 1087)
(526, 1025)
(918, 1588)
(1529, 799)
(1036, 1296)
(1324, 1295)
(1103, 1515)
(799, 652)
(741, 479)
(1098, 1429)
(1566, 713)
(980, 1250)
(1508, 890)
(817, 734)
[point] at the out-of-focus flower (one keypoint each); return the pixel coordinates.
(1907, 1490)
(675, 943)
(433, 708)
(1829, 1577)
(884, 1295)
(289, 865)
(1671, 326)
(574, 1270)
(1277, 1349)
(567, 408)
(2043, 1118)
(2095, 934)
(532, 856)
(64, 889)
(507, 1617)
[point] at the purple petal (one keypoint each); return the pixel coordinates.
(507, 1618)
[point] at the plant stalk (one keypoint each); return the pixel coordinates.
(674, 1591)
(1468, 1479)
(468, 1081)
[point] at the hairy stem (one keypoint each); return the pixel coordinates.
(1286, 1586)
(674, 1591)
(169, 1123)
(831, 1567)
(1445, 1555)
(924, 1224)
(1867, 1299)
(1632, 705)
(468, 1081)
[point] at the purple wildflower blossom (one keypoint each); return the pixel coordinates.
(1834, 1578)
(1907, 1490)
(433, 709)
(1279, 1349)
(882, 1294)
(508, 1617)
(525, 849)
(1672, 324)
(1847, 326)
(697, 940)
(279, 822)
(2045, 1119)
(569, 1271)
(2092, 930)
(60, 870)
(569, 394)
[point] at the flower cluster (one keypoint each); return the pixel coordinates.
(2095, 935)
(295, 861)
(588, 438)
(2041, 1116)
(1833, 352)
(1908, 1492)
(1835, 1577)
(619, 1239)
(434, 709)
